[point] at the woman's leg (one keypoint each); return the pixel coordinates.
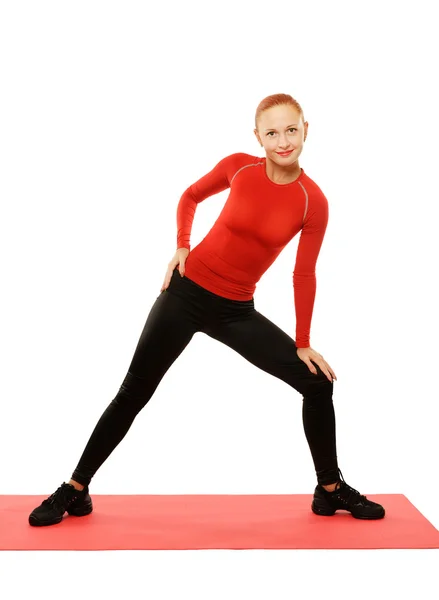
(268, 347)
(168, 329)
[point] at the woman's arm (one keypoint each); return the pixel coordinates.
(217, 180)
(304, 275)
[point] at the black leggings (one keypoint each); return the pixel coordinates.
(183, 309)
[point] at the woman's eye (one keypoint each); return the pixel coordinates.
(290, 129)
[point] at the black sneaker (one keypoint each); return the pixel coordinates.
(345, 498)
(66, 498)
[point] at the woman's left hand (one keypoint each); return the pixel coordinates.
(308, 355)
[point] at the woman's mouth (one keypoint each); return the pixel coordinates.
(284, 153)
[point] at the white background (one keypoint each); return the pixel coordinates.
(109, 111)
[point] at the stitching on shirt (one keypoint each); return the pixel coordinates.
(244, 167)
(299, 182)
(306, 200)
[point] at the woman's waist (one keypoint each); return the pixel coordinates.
(216, 274)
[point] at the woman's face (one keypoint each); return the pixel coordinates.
(280, 129)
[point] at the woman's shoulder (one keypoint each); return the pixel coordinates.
(242, 159)
(313, 188)
(234, 163)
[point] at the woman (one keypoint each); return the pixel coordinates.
(210, 289)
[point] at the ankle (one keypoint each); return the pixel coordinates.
(330, 487)
(76, 485)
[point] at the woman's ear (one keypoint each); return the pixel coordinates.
(306, 130)
(257, 136)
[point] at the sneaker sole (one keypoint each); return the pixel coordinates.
(329, 512)
(83, 511)
(78, 512)
(320, 510)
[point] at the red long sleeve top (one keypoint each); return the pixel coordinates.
(257, 221)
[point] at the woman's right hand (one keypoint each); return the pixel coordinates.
(178, 259)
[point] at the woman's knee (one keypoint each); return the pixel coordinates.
(318, 387)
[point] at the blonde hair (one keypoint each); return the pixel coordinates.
(277, 100)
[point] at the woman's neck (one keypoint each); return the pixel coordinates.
(279, 174)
